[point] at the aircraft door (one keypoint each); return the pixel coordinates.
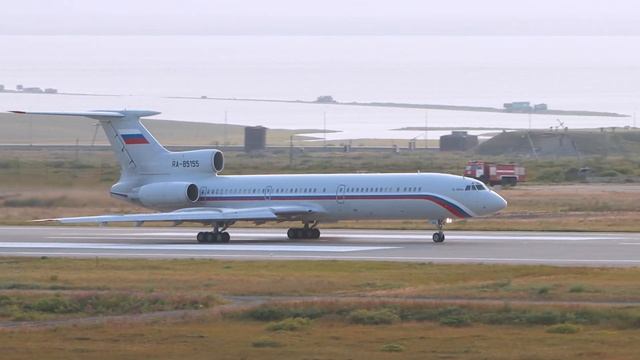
(267, 192)
(340, 194)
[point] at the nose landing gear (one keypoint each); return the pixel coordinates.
(438, 237)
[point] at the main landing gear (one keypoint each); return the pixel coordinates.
(307, 232)
(438, 237)
(216, 236)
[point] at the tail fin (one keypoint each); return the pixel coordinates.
(136, 149)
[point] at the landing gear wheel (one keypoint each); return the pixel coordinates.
(438, 237)
(200, 237)
(303, 233)
(209, 237)
(225, 237)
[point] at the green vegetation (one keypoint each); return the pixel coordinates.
(386, 312)
(290, 324)
(392, 348)
(373, 317)
(37, 306)
(266, 343)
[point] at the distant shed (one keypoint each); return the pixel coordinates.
(458, 141)
(255, 138)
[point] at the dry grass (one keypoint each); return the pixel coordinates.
(205, 277)
(416, 330)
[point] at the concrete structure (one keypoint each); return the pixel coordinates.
(458, 141)
(255, 138)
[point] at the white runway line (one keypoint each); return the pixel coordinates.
(505, 237)
(194, 247)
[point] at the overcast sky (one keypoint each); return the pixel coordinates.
(321, 17)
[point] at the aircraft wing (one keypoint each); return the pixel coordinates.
(203, 215)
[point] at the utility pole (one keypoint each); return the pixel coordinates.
(290, 150)
(529, 121)
(224, 131)
(95, 134)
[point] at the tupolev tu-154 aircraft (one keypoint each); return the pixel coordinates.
(186, 186)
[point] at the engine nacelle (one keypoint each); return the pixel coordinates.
(168, 194)
(202, 161)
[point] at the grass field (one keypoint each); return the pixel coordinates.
(61, 308)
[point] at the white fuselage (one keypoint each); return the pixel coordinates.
(352, 196)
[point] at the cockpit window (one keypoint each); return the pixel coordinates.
(475, 187)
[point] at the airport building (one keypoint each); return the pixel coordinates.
(255, 138)
(458, 141)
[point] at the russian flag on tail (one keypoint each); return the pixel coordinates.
(133, 137)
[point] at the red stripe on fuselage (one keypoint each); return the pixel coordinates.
(440, 202)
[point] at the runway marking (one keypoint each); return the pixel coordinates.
(320, 257)
(190, 247)
(505, 237)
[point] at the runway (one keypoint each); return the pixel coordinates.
(552, 248)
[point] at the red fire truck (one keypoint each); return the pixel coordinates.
(495, 174)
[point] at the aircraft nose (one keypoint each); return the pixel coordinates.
(492, 203)
(497, 203)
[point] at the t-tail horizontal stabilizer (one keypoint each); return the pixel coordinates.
(135, 148)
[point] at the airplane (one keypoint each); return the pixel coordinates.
(186, 186)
